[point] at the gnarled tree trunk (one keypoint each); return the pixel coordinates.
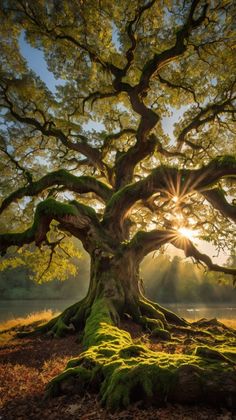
(114, 279)
(119, 368)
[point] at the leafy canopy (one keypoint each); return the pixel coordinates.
(158, 79)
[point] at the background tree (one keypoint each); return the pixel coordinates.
(126, 190)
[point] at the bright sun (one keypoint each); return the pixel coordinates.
(188, 233)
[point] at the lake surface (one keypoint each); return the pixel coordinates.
(10, 309)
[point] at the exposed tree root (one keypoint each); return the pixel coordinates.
(144, 312)
(156, 319)
(70, 320)
(125, 371)
(170, 316)
(214, 325)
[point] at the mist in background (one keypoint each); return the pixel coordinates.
(165, 279)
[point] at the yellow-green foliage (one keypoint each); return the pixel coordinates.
(12, 262)
(44, 264)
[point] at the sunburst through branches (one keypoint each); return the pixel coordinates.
(188, 233)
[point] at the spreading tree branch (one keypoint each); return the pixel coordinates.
(160, 60)
(191, 251)
(145, 242)
(15, 162)
(74, 217)
(126, 163)
(217, 199)
(170, 181)
(48, 129)
(117, 72)
(178, 86)
(81, 185)
(116, 136)
(206, 115)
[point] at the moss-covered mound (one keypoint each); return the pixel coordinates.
(123, 371)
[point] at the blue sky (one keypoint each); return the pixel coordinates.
(36, 61)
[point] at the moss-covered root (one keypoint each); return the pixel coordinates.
(149, 311)
(158, 320)
(70, 320)
(170, 316)
(125, 371)
(214, 326)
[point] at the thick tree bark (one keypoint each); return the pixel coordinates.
(116, 281)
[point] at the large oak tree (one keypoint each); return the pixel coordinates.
(126, 188)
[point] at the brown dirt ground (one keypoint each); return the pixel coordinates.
(28, 364)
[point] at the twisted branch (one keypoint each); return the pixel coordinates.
(74, 217)
(82, 184)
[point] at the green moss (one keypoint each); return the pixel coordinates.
(131, 351)
(81, 184)
(150, 311)
(73, 363)
(216, 354)
(60, 329)
(127, 371)
(85, 210)
(71, 380)
(225, 161)
(51, 206)
(161, 333)
(117, 197)
(151, 323)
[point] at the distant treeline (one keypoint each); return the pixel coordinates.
(177, 280)
(164, 280)
(18, 283)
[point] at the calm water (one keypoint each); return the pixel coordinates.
(20, 308)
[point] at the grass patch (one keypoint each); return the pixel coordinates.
(9, 327)
(42, 316)
(228, 322)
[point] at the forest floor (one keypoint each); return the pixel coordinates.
(28, 364)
